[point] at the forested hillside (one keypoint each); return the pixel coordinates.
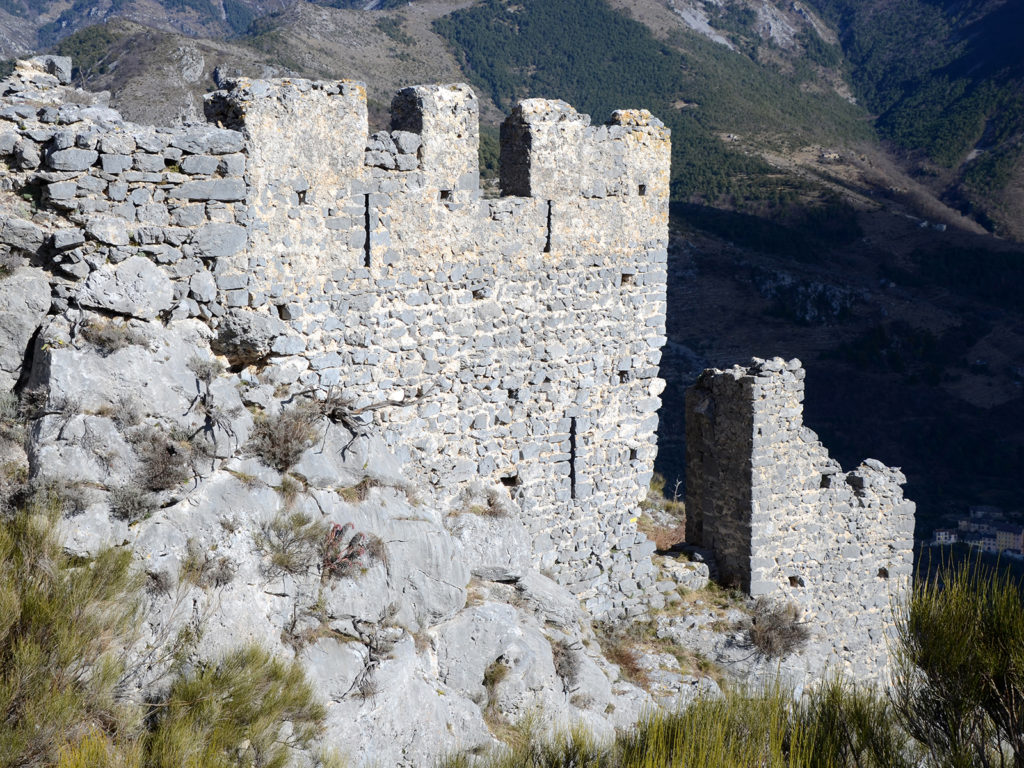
(946, 82)
(699, 88)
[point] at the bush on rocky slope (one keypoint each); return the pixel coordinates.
(66, 623)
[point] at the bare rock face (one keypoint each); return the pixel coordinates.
(24, 302)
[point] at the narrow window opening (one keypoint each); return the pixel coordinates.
(446, 195)
(626, 279)
(510, 481)
(796, 581)
(547, 242)
(302, 197)
(366, 243)
(572, 458)
(642, 190)
(625, 377)
(883, 573)
(633, 454)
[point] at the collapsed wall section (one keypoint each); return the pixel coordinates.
(512, 342)
(785, 521)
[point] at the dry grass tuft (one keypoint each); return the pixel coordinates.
(775, 629)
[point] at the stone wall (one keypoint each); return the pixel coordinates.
(512, 341)
(785, 521)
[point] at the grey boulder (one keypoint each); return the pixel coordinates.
(134, 287)
(24, 302)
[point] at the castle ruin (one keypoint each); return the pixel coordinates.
(515, 340)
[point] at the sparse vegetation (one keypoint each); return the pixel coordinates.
(130, 503)
(280, 440)
(204, 568)
(166, 459)
(567, 662)
(774, 629)
(358, 492)
(485, 501)
(345, 554)
(66, 622)
(664, 518)
(297, 544)
(293, 542)
(110, 336)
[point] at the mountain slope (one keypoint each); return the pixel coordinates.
(699, 87)
(947, 85)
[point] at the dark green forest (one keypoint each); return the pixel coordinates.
(941, 78)
(540, 48)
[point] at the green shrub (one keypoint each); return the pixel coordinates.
(248, 709)
(65, 625)
(958, 683)
(293, 541)
(63, 622)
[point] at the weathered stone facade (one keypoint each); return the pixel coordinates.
(785, 521)
(515, 340)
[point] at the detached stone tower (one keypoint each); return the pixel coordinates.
(782, 517)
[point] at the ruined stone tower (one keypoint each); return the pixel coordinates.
(785, 521)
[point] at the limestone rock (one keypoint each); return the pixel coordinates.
(134, 287)
(24, 302)
(554, 602)
(107, 230)
(495, 548)
(247, 336)
(20, 233)
(218, 240)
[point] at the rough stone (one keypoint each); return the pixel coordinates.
(134, 287)
(24, 302)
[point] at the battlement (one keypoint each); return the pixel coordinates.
(548, 150)
(518, 337)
